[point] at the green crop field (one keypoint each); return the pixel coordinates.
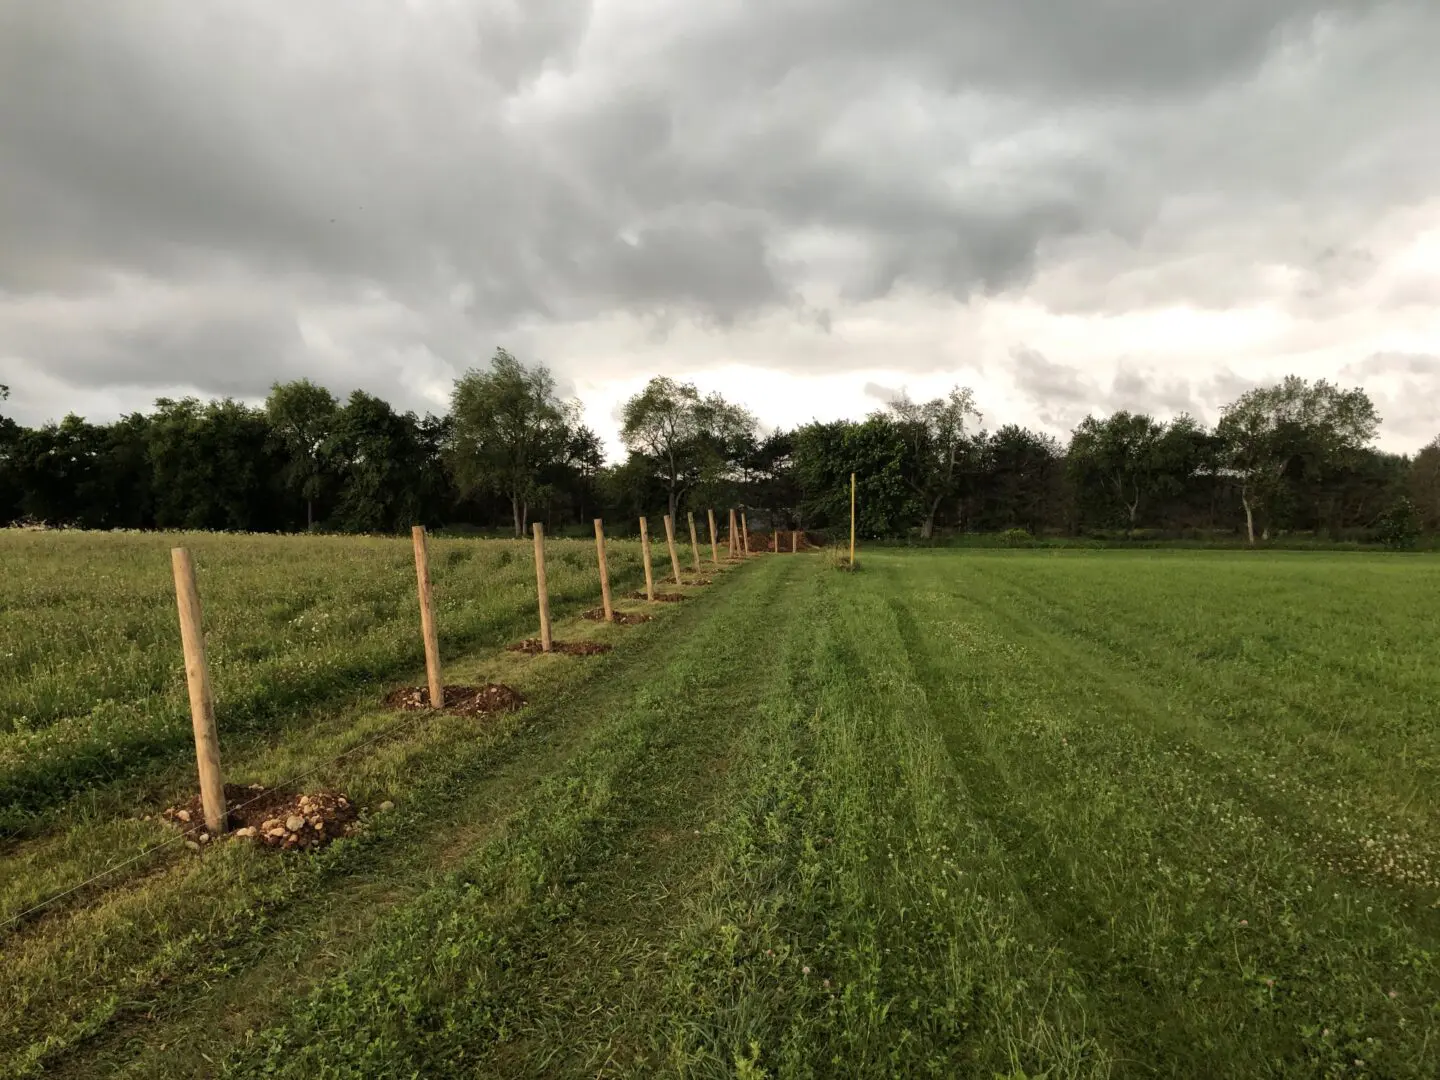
(962, 813)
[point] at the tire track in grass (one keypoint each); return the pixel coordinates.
(1338, 816)
(1146, 865)
(856, 924)
(1283, 700)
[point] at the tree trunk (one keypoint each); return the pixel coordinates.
(515, 512)
(1249, 518)
(674, 501)
(309, 515)
(927, 527)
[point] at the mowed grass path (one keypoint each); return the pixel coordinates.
(959, 814)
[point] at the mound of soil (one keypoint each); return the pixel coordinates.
(276, 819)
(533, 647)
(660, 597)
(700, 581)
(622, 618)
(467, 700)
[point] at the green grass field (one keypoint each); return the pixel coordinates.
(963, 813)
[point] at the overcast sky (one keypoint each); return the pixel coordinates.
(810, 205)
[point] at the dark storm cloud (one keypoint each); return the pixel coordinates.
(491, 166)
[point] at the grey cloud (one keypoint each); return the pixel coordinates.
(1405, 388)
(229, 348)
(517, 40)
(556, 165)
(1046, 381)
(1063, 395)
(1038, 46)
(1149, 392)
(883, 394)
(1394, 364)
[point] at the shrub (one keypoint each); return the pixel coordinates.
(1399, 527)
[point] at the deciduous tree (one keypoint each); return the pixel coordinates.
(1424, 485)
(1121, 454)
(935, 432)
(302, 417)
(1294, 426)
(685, 438)
(509, 427)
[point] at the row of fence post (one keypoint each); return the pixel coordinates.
(197, 672)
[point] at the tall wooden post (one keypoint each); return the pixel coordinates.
(670, 543)
(744, 536)
(542, 587)
(794, 541)
(694, 543)
(604, 570)
(852, 520)
(645, 556)
(202, 698)
(427, 617)
(714, 547)
(734, 540)
(775, 537)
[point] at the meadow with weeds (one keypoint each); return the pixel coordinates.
(961, 813)
(90, 687)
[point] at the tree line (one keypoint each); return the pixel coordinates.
(1295, 457)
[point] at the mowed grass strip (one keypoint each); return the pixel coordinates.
(530, 955)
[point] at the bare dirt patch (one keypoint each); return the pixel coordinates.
(660, 597)
(274, 818)
(622, 618)
(466, 700)
(533, 647)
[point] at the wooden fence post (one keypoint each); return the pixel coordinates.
(542, 587)
(714, 547)
(202, 698)
(734, 540)
(670, 543)
(775, 537)
(794, 541)
(694, 543)
(744, 536)
(427, 617)
(852, 520)
(604, 570)
(645, 555)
